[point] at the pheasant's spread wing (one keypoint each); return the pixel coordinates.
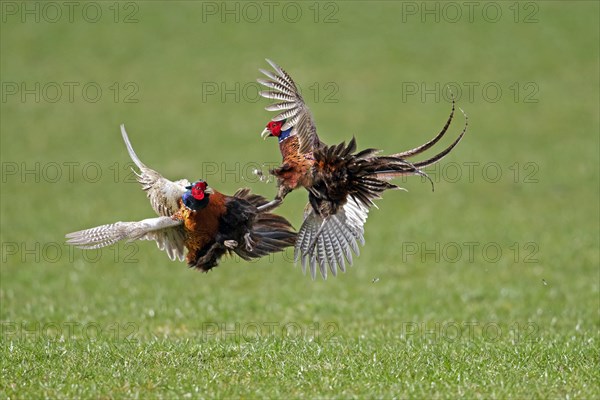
(167, 232)
(163, 193)
(331, 240)
(292, 107)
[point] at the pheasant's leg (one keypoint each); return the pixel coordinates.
(249, 242)
(273, 204)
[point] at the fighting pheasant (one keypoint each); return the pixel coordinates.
(341, 182)
(197, 217)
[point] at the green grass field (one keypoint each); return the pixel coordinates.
(486, 288)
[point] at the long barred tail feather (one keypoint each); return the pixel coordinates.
(437, 157)
(429, 144)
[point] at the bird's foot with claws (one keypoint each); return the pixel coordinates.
(249, 242)
(230, 244)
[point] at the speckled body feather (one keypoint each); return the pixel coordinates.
(295, 171)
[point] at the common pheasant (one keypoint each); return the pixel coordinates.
(197, 217)
(341, 182)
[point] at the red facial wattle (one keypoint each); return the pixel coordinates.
(275, 127)
(198, 190)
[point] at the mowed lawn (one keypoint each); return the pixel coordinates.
(487, 287)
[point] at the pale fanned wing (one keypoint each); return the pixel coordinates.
(338, 237)
(167, 232)
(292, 107)
(169, 240)
(164, 194)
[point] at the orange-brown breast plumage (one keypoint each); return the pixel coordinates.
(295, 170)
(201, 226)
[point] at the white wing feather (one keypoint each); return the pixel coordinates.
(167, 232)
(338, 238)
(163, 193)
(164, 197)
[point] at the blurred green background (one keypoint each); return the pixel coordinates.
(507, 244)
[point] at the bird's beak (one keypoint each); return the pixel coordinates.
(209, 190)
(265, 134)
